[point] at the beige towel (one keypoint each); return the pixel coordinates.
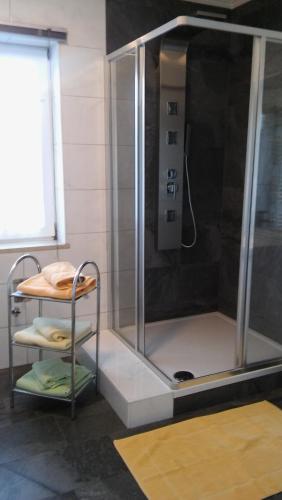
(39, 286)
(31, 336)
(55, 330)
(61, 275)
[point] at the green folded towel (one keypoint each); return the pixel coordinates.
(30, 382)
(53, 372)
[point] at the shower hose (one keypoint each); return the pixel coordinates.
(184, 245)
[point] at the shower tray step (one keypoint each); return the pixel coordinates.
(133, 390)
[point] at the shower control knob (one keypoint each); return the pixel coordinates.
(172, 189)
(172, 107)
(172, 173)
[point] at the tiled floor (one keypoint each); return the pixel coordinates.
(43, 454)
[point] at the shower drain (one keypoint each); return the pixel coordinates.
(183, 375)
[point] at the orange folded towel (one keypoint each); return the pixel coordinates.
(61, 275)
(38, 285)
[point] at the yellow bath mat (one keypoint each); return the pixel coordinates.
(233, 455)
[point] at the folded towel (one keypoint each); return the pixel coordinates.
(31, 336)
(29, 382)
(61, 275)
(39, 286)
(54, 372)
(54, 329)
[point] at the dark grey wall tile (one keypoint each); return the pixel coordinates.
(260, 13)
(126, 20)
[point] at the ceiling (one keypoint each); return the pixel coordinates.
(227, 4)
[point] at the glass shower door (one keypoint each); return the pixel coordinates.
(264, 296)
(122, 93)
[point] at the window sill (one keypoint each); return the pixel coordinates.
(28, 246)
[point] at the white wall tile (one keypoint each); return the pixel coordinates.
(87, 23)
(105, 319)
(82, 71)
(6, 262)
(126, 208)
(16, 320)
(125, 78)
(125, 112)
(4, 10)
(3, 307)
(50, 309)
(126, 289)
(86, 211)
(87, 247)
(83, 19)
(108, 211)
(84, 166)
(126, 166)
(127, 317)
(126, 248)
(44, 257)
(82, 84)
(83, 120)
(108, 154)
(20, 355)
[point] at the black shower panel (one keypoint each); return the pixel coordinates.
(173, 57)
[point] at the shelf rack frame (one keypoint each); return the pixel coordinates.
(17, 296)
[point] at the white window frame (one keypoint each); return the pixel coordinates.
(52, 149)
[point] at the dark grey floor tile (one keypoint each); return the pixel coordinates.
(126, 486)
(15, 487)
(46, 455)
(4, 373)
(94, 458)
(50, 469)
(101, 421)
(96, 489)
(119, 487)
(22, 439)
(70, 495)
(277, 401)
(23, 410)
(278, 496)
(27, 407)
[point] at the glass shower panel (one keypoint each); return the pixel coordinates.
(123, 183)
(264, 335)
(197, 90)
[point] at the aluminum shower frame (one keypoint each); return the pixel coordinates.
(137, 47)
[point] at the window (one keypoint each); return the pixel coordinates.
(27, 186)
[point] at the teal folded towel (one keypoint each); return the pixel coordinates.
(53, 372)
(29, 382)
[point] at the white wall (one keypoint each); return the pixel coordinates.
(83, 132)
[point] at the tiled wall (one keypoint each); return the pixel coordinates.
(204, 278)
(260, 13)
(184, 282)
(83, 132)
(145, 16)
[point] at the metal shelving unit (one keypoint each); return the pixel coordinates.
(16, 296)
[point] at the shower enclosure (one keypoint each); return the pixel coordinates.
(196, 155)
